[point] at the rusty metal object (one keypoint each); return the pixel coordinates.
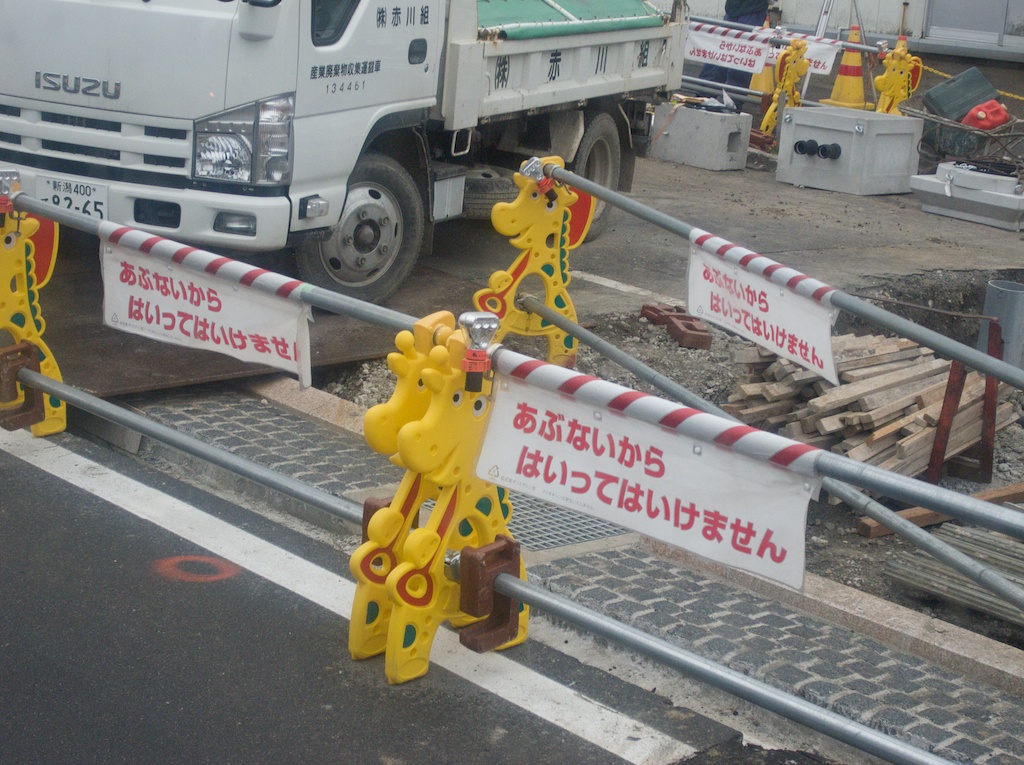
(370, 506)
(13, 359)
(478, 568)
(951, 402)
(975, 464)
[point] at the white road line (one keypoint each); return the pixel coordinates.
(614, 732)
(629, 289)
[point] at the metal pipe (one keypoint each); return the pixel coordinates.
(307, 293)
(716, 675)
(777, 35)
(753, 96)
(852, 305)
(739, 685)
(982, 575)
(336, 506)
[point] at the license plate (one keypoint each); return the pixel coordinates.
(74, 194)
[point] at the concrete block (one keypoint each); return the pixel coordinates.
(700, 138)
(848, 150)
(957, 191)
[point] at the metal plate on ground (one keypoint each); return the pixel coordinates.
(539, 525)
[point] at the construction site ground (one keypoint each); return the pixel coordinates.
(944, 678)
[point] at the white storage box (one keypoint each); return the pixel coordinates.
(848, 150)
(958, 191)
(699, 138)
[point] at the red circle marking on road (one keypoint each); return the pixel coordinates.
(171, 568)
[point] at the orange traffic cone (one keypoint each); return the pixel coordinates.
(764, 81)
(848, 90)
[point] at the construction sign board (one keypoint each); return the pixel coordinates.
(751, 51)
(716, 503)
(788, 324)
(170, 303)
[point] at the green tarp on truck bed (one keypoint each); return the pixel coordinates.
(522, 19)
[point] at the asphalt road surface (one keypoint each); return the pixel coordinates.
(139, 628)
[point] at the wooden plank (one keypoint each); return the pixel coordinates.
(959, 441)
(871, 420)
(847, 394)
(856, 375)
(781, 391)
(913, 354)
(922, 516)
(752, 389)
(902, 395)
(792, 430)
(865, 451)
(910, 445)
(895, 426)
(753, 414)
(832, 423)
(801, 377)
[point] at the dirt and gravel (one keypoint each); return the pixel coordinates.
(834, 549)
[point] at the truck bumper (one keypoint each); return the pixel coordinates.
(185, 215)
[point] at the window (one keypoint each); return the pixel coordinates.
(330, 18)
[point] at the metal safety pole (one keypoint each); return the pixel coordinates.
(984, 576)
(855, 306)
(763, 695)
(778, 36)
(317, 297)
(718, 676)
(341, 508)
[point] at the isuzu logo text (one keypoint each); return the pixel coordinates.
(86, 86)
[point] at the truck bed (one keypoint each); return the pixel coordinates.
(522, 55)
(525, 19)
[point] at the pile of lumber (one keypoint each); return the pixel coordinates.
(884, 411)
(920, 571)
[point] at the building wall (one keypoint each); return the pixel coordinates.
(879, 17)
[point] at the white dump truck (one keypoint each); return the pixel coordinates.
(340, 130)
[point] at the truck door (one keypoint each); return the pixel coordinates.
(376, 55)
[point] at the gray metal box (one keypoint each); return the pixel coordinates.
(960, 192)
(848, 150)
(700, 138)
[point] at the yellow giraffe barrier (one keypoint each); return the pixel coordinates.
(432, 425)
(28, 250)
(542, 225)
(900, 79)
(790, 67)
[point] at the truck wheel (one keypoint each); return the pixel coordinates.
(599, 159)
(485, 187)
(374, 247)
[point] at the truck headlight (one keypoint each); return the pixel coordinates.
(248, 144)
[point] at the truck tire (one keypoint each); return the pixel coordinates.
(485, 187)
(599, 159)
(378, 238)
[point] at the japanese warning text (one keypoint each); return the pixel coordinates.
(705, 499)
(172, 304)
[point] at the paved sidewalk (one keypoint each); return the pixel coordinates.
(949, 712)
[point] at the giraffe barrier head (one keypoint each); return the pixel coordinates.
(410, 397)
(441, 445)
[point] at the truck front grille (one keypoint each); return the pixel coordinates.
(135, 149)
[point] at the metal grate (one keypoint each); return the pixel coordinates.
(539, 525)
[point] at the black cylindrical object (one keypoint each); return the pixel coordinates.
(810, 146)
(830, 151)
